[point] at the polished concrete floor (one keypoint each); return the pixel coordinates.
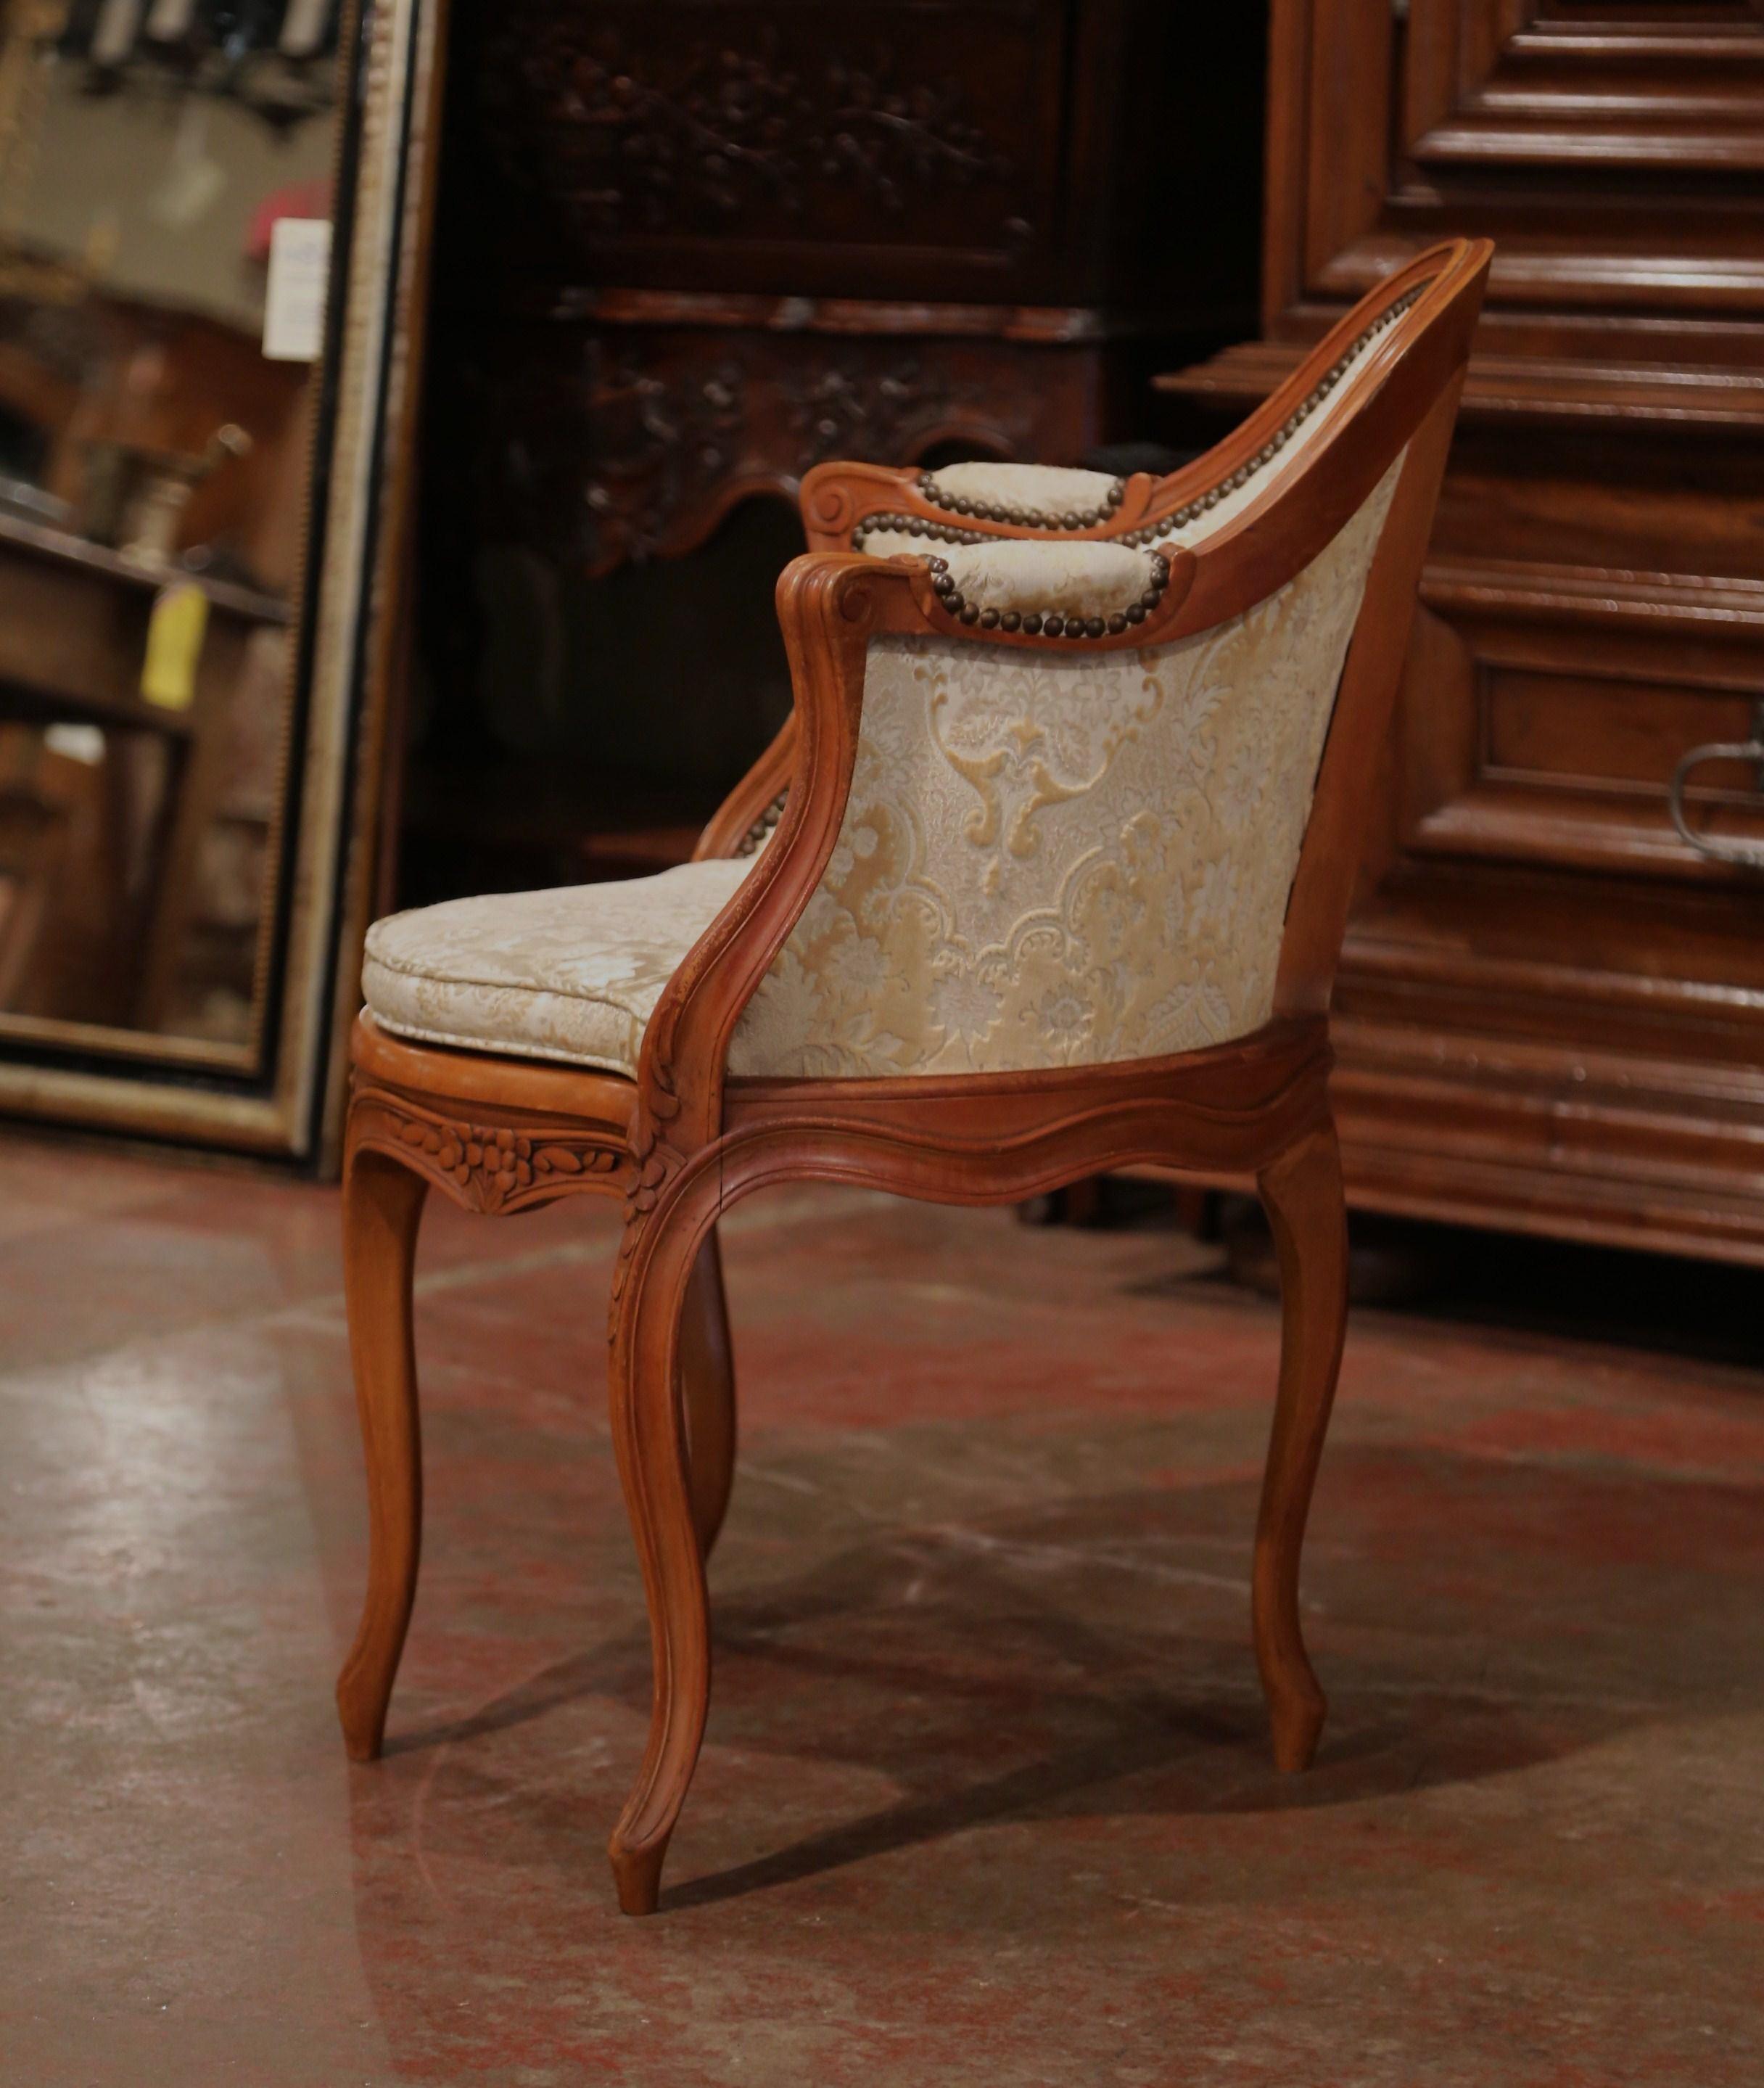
(986, 1798)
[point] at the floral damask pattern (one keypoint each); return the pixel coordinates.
(1046, 859)
(1049, 488)
(1052, 859)
(1087, 578)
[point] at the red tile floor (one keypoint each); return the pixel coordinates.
(986, 1798)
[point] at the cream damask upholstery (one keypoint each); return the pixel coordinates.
(1046, 489)
(1085, 578)
(1051, 860)
(1046, 859)
(573, 974)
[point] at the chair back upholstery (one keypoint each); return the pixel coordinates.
(1060, 859)
(1142, 843)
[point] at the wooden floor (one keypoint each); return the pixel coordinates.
(986, 1796)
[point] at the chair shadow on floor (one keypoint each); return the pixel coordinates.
(1470, 1618)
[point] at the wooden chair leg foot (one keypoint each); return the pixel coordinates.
(1296, 1718)
(637, 1874)
(382, 1205)
(1307, 1213)
(649, 1436)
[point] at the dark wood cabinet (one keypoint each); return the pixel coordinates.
(963, 152)
(1552, 1011)
(687, 249)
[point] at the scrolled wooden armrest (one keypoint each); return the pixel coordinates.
(838, 498)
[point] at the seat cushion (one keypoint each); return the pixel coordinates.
(573, 973)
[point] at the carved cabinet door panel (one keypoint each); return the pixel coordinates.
(1551, 1011)
(740, 146)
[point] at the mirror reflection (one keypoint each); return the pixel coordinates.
(165, 175)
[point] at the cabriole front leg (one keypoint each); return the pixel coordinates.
(662, 1250)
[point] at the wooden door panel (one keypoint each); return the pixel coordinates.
(1541, 721)
(1610, 151)
(1550, 1010)
(1501, 84)
(737, 143)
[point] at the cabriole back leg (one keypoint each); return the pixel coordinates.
(1302, 1192)
(707, 1391)
(382, 1203)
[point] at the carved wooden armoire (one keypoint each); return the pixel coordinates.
(684, 250)
(1551, 1010)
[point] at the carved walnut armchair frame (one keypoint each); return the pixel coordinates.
(686, 1141)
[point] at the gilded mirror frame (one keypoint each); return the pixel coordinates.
(280, 1094)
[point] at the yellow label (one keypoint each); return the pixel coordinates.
(174, 636)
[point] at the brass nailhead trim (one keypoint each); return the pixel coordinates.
(1053, 624)
(763, 827)
(1204, 503)
(915, 525)
(1023, 518)
(1049, 623)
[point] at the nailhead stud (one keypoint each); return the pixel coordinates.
(1027, 517)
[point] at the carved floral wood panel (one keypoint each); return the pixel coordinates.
(633, 442)
(649, 128)
(490, 1168)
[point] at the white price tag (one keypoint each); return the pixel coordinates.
(294, 302)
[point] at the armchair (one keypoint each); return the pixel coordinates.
(1048, 874)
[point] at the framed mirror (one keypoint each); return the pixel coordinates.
(213, 216)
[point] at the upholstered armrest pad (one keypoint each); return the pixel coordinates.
(1087, 578)
(1018, 577)
(1012, 581)
(1050, 496)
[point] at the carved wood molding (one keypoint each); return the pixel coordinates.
(1562, 392)
(1562, 94)
(671, 428)
(487, 1167)
(656, 1160)
(1610, 159)
(998, 1138)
